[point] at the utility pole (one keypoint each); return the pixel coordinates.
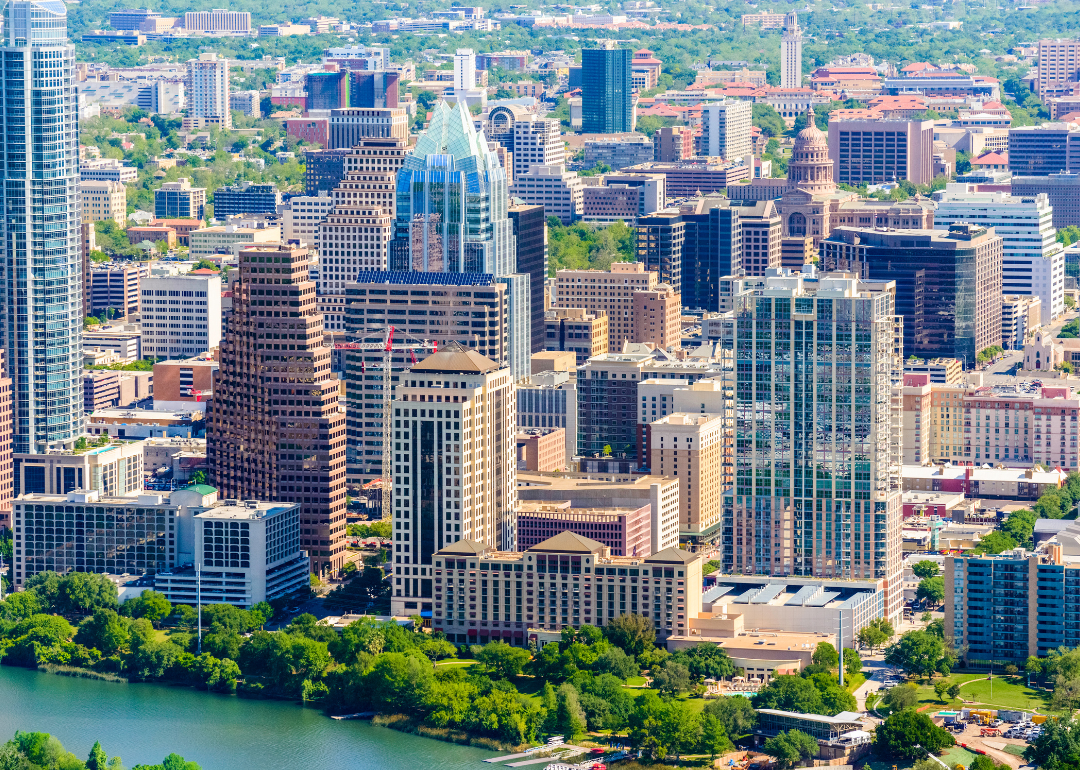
(198, 601)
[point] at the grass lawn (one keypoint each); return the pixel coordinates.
(1016, 751)
(853, 683)
(635, 681)
(455, 662)
(958, 756)
(1006, 693)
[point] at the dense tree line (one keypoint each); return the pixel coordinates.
(582, 246)
(41, 751)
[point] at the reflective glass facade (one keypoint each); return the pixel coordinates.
(41, 284)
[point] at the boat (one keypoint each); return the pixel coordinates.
(357, 715)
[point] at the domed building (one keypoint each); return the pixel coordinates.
(811, 204)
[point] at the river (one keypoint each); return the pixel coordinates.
(142, 723)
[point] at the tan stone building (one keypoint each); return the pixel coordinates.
(691, 448)
(576, 330)
(541, 449)
(103, 200)
(614, 293)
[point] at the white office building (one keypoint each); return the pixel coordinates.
(559, 191)
(725, 129)
(208, 89)
(537, 142)
(181, 315)
(302, 215)
(1033, 262)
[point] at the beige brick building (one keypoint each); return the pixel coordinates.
(103, 200)
(657, 317)
(691, 448)
(576, 330)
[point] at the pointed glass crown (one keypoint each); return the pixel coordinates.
(451, 132)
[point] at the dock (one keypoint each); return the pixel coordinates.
(559, 751)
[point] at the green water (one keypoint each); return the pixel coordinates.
(145, 722)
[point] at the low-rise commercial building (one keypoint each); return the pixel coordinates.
(626, 531)
(576, 330)
(559, 191)
(229, 239)
(103, 201)
(983, 483)
(182, 383)
(541, 449)
(115, 469)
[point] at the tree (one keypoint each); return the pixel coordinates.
(1057, 747)
(186, 617)
(920, 652)
(151, 605)
(768, 120)
(852, 662)
(907, 734)
(940, 688)
(633, 634)
(788, 748)
(104, 630)
(706, 661)
(871, 637)
(902, 696)
(790, 693)
(825, 655)
(501, 659)
(80, 593)
(714, 738)
(98, 759)
(737, 715)
(569, 717)
(671, 678)
(931, 590)
(926, 569)
(198, 477)
(995, 542)
(954, 691)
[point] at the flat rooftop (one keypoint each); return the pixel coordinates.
(245, 510)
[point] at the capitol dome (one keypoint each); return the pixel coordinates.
(810, 168)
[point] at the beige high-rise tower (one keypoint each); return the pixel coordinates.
(791, 52)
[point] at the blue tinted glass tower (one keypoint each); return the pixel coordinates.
(42, 271)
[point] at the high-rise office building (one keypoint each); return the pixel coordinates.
(1052, 148)
(762, 231)
(725, 129)
(349, 126)
(948, 284)
(791, 42)
(470, 309)
(378, 89)
(217, 20)
(207, 86)
(606, 105)
(530, 236)
(457, 407)
(712, 248)
(180, 314)
(1059, 67)
(817, 458)
(876, 151)
(41, 228)
(277, 430)
(1033, 262)
(452, 216)
(327, 90)
(1062, 190)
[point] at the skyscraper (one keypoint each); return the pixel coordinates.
(791, 52)
(454, 465)
(606, 106)
(726, 129)
(277, 431)
(207, 86)
(530, 235)
(42, 271)
(817, 459)
(452, 216)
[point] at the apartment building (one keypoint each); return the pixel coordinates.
(1059, 67)
(439, 308)
(461, 405)
(302, 215)
(577, 582)
(625, 531)
(783, 516)
(353, 239)
(181, 314)
(967, 424)
(218, 20)
(103, 201)
(537, 142)
(725, 129)
(559, 191)
(207, 87)
(691, 448)
(657, 318)
(576, 330)
(673, 143)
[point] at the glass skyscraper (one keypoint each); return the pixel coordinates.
(42, 271)
(817, 447)
(452, 217)
(606, 106)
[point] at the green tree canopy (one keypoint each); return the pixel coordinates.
(908, 734)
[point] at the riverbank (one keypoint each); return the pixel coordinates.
(145, 722)
(406, 724)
